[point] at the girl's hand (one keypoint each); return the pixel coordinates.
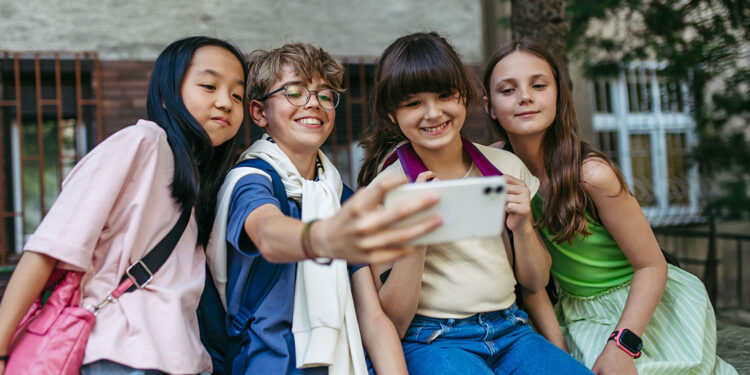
(363, 232)
(518, 205)
(426, 176)
(614, 360)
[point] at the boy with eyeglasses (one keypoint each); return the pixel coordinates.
(290, 306)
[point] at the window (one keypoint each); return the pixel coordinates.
(677, 168)
(49, 118)
(607, 141)
(642, 174)
(642, 121)
(351, 115)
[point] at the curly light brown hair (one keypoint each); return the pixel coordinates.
(308, 61)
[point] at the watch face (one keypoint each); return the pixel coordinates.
(631, 341)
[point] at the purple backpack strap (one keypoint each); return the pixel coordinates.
(484, 165)
(388, 161)
(410, 161)
(413, 165)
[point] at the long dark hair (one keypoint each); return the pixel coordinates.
(198, 166)
(564, 213)
(420, 62)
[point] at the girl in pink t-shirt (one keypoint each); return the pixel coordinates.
(121, 200)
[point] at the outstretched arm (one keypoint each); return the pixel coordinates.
(360, 233)
(378, 333)
(24, 286)
(622, 216)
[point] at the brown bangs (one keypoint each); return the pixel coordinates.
(423, 66)
(415, 63)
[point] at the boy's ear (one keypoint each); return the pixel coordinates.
(393, 120)
(258, 113)
(487, 108)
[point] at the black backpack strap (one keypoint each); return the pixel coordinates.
(142, 271)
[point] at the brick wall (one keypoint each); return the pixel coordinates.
(124, 91)
(4, 276)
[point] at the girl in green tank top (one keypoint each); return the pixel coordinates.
(609, 266)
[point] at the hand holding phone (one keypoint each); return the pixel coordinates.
(470, 207)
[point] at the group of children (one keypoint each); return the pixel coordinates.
(307, 277)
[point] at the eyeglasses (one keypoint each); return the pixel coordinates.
(299, 96)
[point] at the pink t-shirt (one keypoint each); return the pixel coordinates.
(114, 207)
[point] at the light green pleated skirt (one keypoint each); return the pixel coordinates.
(679, 339)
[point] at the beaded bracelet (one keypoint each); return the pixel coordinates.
(307, 245)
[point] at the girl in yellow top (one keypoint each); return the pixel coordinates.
(454, 303)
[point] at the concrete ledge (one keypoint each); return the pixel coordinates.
(733, 331)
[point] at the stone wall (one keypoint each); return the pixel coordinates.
(139, 29)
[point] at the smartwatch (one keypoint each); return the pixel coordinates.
(627, 341)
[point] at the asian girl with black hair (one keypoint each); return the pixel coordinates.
(124, 196)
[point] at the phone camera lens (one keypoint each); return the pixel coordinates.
(499, 189)
(487, 190)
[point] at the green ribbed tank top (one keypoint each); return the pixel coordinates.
(589, 265)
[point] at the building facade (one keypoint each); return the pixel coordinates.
(74, 72)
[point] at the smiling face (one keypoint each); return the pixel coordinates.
(297, 130)
(212, 91)
(431, 121)
(523, 94)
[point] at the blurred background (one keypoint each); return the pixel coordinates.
(661, 86)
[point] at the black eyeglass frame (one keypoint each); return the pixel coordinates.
(337, 98)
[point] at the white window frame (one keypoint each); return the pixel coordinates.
(15, 155)
(656, 124)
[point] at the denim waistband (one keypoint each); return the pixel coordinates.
(421, 320)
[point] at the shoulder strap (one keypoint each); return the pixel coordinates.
(239, 314)
(278, 186)
(413, 165)
(140, 273)
(346, 192)
(483, 164)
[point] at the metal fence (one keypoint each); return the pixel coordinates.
(50, 115)
(719, 259)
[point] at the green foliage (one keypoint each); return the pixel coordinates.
(504, 22)
(702, 42)
(733, 203)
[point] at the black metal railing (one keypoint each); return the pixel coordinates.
(712, 251)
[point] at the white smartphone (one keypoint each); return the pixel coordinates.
(470, 207)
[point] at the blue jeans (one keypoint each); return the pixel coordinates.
(104, 367)
(108, 367)
(499, 342)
